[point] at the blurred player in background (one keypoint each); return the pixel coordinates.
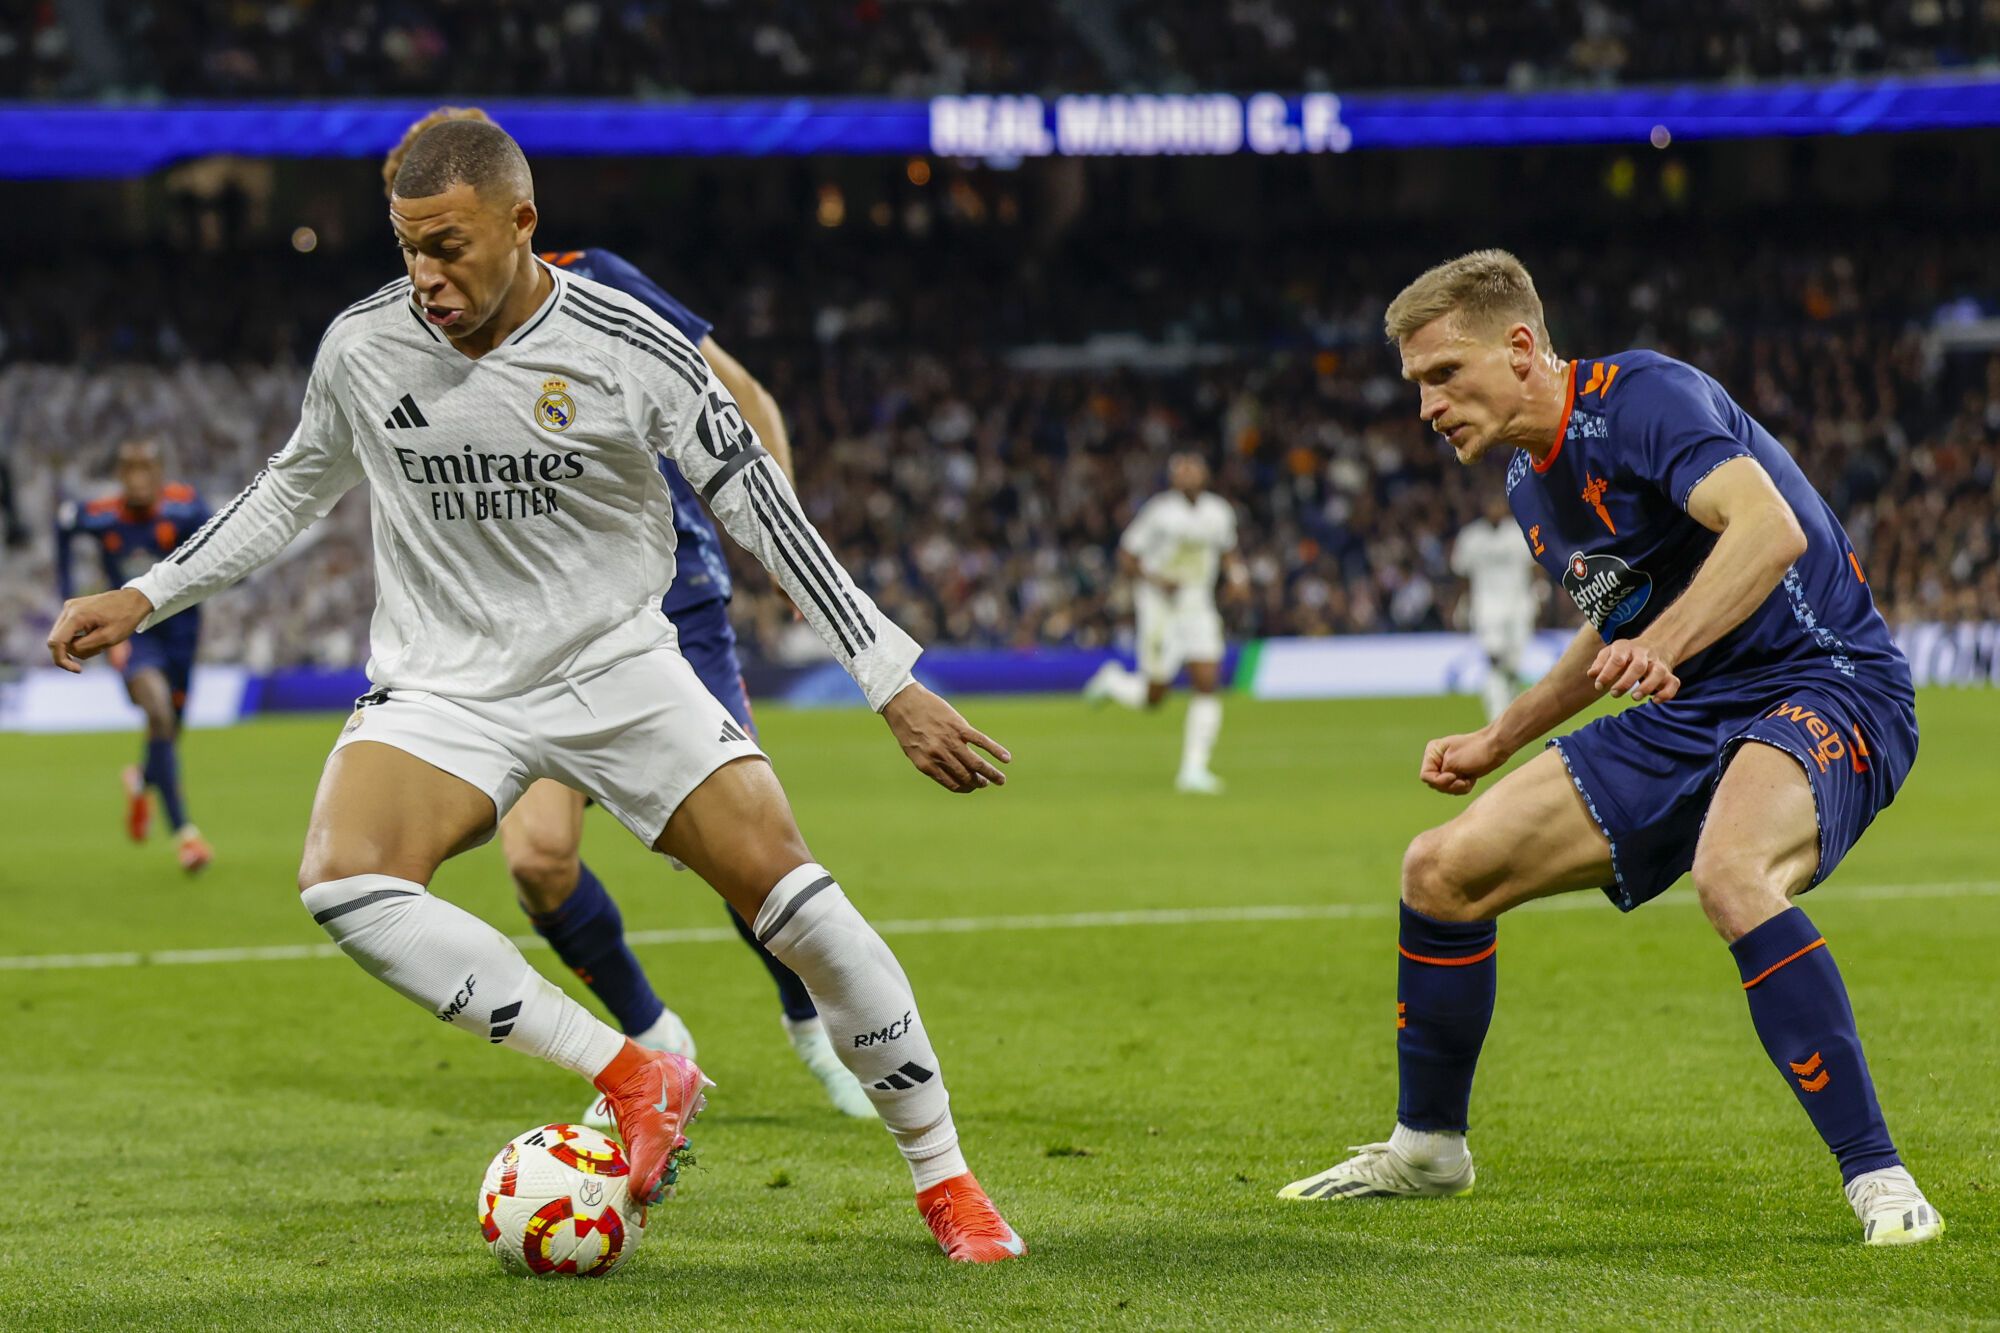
(145, 521)
(1504, 597)
(543, 834)
(1173, 550)
(1721, 591)
(523, 543)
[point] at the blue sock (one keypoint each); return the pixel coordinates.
(588, 934)
(1799, 1004)
(798, 1005)
(163, 774)
(1445, 980)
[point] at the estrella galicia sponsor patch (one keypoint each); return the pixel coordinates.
(1608, 591)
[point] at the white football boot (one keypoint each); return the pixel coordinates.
(1893, 1211)
(1199, 782)
(668, 1034)
(809, 1039)
(1381, 1170)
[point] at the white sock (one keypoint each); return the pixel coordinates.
(1204, 724)
(869, 1014)
(459, 968)
(1498, 690)
(1124, 687)
(1435, 1150)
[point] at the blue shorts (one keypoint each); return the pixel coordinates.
(170, 655)
(1647, 774)
(708, 642)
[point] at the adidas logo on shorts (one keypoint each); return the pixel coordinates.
(731, 733)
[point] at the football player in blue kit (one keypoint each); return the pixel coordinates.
(1721, 592)
(542, 835)
(146, 518)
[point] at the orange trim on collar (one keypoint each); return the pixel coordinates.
(1562, 427)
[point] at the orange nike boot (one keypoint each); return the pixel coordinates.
(653, 1096)
(968, 1227)
(138, 806)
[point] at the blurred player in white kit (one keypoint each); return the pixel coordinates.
(1505, 598)
(1178, 542)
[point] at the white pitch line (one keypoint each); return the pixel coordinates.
(970, 925)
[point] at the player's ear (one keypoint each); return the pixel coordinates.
(525, 218)
(1521, 349)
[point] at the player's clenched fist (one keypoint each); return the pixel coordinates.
(89, 625)
(939, 742)
(1635, 665)
(1452, 764)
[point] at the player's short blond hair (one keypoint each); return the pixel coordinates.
(393, 163)
(1489, 289)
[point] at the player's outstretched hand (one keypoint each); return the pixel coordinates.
(939, 742)
(89, 625)
(1452, 764)
(1635, 665)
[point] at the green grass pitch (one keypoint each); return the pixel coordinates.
(285, 1143)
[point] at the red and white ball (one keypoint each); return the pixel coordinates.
(554, 1204)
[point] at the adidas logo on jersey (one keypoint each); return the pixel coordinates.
(405, 416)
(731, 732)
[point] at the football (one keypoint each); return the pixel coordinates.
(554, 1204)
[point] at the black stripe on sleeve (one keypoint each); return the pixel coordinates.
(816, 547)
(644, 321)
(692, 383)
(345, 315)
(806, 584)
(730, 469)
(764, 497)
(214, 525)
(816, 556)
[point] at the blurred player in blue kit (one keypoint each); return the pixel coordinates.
(542, 836)
(144, 521)
(1720, 591)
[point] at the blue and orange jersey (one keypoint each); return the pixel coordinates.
(129, 541)
(1606, 515)
(703, 570)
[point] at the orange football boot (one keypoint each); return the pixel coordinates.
(653, 1096)
(968, 1227)
(195, 853)
(138, 807)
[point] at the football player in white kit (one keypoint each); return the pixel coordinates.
(1173, 550)
(1505, 597)
(506, 416)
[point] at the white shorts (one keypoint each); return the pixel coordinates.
(639, 736)
(1504, 633)
(1174, 631)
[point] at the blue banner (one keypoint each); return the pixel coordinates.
(52, 140)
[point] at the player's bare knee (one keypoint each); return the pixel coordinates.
(544, 878)
(1430, 883)
(1739, 889)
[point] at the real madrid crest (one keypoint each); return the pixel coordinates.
(555, 409)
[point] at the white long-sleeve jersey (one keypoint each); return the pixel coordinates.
(1176, 538)
(1494, 559)
(523, 532)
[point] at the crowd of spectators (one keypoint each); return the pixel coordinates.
(617, 48)
(977, 488)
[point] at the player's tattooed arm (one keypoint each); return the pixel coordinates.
(1759, 538)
